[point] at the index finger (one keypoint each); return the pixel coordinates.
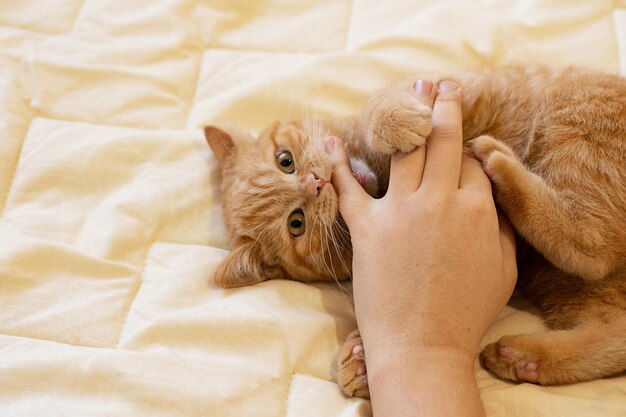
(406, 168)
(445, 144)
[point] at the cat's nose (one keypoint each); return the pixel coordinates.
(314, 184)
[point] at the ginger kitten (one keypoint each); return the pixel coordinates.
(553, 143)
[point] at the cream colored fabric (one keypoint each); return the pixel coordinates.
(110, 218)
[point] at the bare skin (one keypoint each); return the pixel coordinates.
(433, 266)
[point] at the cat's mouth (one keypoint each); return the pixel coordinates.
(360, 177)
(364, 176)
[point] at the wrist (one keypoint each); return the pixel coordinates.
(420, 340)
(424, 360)
(433, 382)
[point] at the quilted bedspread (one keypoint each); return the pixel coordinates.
(110, 216)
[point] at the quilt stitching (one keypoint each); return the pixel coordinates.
(5, 197)
(134, 294)
(288, 393)
(77, 16)
(195, 89)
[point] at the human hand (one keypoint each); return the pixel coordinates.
(433, 264)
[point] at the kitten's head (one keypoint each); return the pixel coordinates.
(280, 208)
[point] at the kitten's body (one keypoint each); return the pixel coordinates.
(559, 173)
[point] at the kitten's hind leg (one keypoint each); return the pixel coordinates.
(351, 375)
(593, 350)
(565, 234)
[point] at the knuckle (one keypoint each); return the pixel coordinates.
(446, 130)
(478, 205)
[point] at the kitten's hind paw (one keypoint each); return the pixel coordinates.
(511, 359)
(352, 374)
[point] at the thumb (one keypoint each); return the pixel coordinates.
(426, 90)
(351, 194)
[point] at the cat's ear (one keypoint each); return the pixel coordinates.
(244, 266)
(221, 143)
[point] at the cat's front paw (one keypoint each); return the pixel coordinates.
(516, 358)
(400, 124)
(492, 153)
(352, 374)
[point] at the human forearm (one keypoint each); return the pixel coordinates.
(429, 382)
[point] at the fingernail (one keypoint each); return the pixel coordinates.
(423, 87)
(329, 144)
(448, 86)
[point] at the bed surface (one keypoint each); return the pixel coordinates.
(110, 217)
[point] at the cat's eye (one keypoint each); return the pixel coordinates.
(284, 159)
(296, 223)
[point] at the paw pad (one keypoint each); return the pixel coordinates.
(510, 363)
(352, 372)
